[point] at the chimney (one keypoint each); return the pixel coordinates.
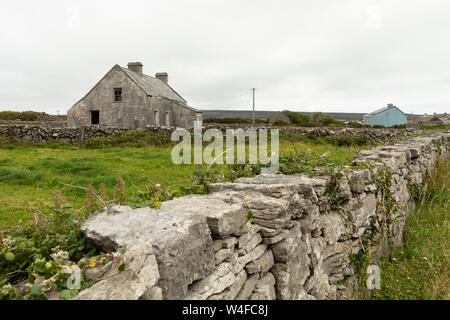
(136, 67)
(390, 105)
(163, 76)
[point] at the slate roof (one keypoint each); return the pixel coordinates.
(153, 86)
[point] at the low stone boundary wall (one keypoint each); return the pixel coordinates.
(266, 237)
(46, 132)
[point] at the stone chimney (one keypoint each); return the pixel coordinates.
(136, 67)
(163, 76)
(390, 105)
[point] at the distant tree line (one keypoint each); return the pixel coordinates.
(235, 120)
(318, 119)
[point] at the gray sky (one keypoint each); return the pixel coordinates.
(342, 56)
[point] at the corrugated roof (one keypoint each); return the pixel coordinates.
(153, 86)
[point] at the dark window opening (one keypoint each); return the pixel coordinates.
(117, 94)
(95, 117)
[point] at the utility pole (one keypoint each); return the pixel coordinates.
(253, 89)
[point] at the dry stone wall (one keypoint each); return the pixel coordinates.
(43, 132)
(300, 243)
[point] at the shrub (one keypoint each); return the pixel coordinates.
(354, 124)
(53, 229)
(298, 119)
(323, 119)
(348, 140)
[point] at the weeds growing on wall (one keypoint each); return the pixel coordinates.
(420, 269)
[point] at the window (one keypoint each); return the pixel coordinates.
(117, 94)
(95, 117)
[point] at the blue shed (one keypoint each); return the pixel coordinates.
(388, 116)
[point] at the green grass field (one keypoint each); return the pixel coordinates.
(30, 174)
(421, 268)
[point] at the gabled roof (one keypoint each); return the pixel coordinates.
(154, 87)
(381, 110)
(151, 86)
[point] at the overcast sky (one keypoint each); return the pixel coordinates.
(321, 55)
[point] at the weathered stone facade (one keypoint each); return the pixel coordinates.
(127, 98)
(299, 246)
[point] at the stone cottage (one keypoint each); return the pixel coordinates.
(128, 98)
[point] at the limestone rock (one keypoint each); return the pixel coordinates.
(181, 241)
(140, 274)
(231, 292)
(217, 245)
(222, 254)
(292, 274)
(229, 243)
(262, 264)
(155, 293)
(225, 214)
(250, 245)
(252, 229)
(358, 179)
(221, 278)
(252, 255)
(264, 289)
(248, 287)
(283, 250)
(267, 211)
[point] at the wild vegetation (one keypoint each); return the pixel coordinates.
(235, 120)
(319, 119)
(49, 189)
(434, 126)
(26, 116)
(420, 268)
(29, 174)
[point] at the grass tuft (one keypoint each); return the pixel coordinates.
(420, 269)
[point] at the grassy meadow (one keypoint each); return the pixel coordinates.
(30, 174)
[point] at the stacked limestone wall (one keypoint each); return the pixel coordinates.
(43, 132)
(300, 243)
